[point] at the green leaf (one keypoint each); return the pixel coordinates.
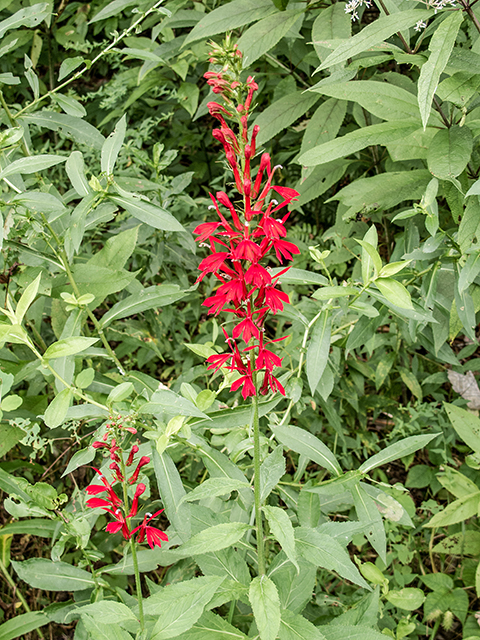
(69, 65)
(456, 511)
(383, 99)
(283, 113)
(214, 487)
(147, 213)
(333, 23)
(324, 551)
(120, 392)
(84, 456)
(407, 598)
(214, 538)
(271, 470)
(411, 382)
(76, 128)
(318, 350)
(393, 267)
(349, 632)
(166, 401)
(157, 296)
(325, 293)
(373, 34)
(213, 627)
(9, 437)
(31, 164)
(112, 145)
(68, 347)
(263, 596)
(449, 152)
(466, 424)
(28, 296)
(400, 449)
(172, 491)
(108, 611)
(112, 9)
(44, 574)
(459, 544)
(20, 625)
(300, 276)
(265, 34)
(100, 631)
(28, 17)
(469, 272)
(370, 260)
(324, 124)
(85, 378)
(11, 402)
(440, 47)
(282, 529)
(71, 106)
(295, 627)
(322, 178)
(368, 513)
(188, 95)
(230, 16)
(76, 173)
(307, 444)
(97, 280)
(395, 292)
(56, 411)
(178, 606)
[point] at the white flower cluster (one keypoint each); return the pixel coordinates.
(420, 25)
(440, 4)
(352, 6)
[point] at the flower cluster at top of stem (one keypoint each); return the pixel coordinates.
(240, 246)
(111, 502)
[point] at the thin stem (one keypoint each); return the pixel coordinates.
(468, 8)
(256, 486)
(17, 592)
(404, 42)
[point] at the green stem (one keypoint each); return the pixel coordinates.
(256, 486)
(16, 591)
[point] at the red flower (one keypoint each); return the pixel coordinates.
(246, 329)
(206, 230)
(138, 492)
(284, 249)
(218, 360)
(268, 360)
(246, 382)
(213, 262)
(274, 299)
(271, 383)
(257, 275)
(141, 463)
(154, 536)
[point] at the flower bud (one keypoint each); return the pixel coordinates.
(141, 463)
(133, 451)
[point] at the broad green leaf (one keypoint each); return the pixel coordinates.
(318, 350)
(167, 401)
(84, 456)
(325, 293)
(147, 213)
(76, 173)
(172, 491)
(11, 402)
(368, 513)
(68, 347)
(37, 201)
(99, 281)
(265, 34)
(56, 411)
(44, 574)
(28, 17)
(85, 378)
(456, 511)
(296, 627)
(9, 437)
(263, 596)
(324, 124)
(469, 272)
(356, 140)
(349, 632)
(99, 630)
(440, 47)
(456, 482)
(307, 444)
(373, 34)
(395, 292)
(411, 382)
(271, 470)
(21, 625)
(393, 267)
(157, 296)
(322, 178)
(308, 508)
(466, 424)
(214, 538)
(213, 627)
(178, 606)
(71, 106)
(408, 598)
(13, 486)
(187, 95)
(112, 145)
(214, 487)
(449, 152)
(76, 128)
(383, 191)
(385, 100)
(112, 9)
(69, 65)
(283, 113)
(400, 449)
(368, 258)
(281, 527)
(230, 16)
(108, 611)
(120, 393)
(31, 164)
(26, 299)
(324, 551)
(333, 23)
(300, 276)
(371, 256)
(459, 544)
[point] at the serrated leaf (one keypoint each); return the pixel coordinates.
(263, 596)
(440, 47)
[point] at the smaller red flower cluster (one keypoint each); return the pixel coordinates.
(240, 247)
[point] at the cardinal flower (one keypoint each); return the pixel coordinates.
(154, 536)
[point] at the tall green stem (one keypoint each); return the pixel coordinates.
(256, 487)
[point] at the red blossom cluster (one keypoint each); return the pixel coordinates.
(241, 246)
(111, 502)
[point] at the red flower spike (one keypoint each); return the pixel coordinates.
(141, 463)
(139, 491)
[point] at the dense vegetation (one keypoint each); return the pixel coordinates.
(345, 509)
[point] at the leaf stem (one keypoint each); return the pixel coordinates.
(256, 485)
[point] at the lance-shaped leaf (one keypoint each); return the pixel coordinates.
(112, 145)
(318, 349)
(369, 514)
(28, 17)
(76, 173)
(307, 444)
(68, 347)
(296, 627)
(265, 34)
(398, 450)
(76, 128)
(265, 603)
(44, 574)
(440, 47)
(150, 214)
(395, 292)
(19, 626)
(215, 538)
(213, 488)
(28, 296)
(449, 152)
(271, 470)
(172, 491)
(354, 141)
(373, 34)
(31, 164)
(466, 424)
(282, 529)
(157, 296)
(283, 113)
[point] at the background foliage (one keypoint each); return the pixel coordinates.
(106, 164)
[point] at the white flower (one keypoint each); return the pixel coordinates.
(420, 25)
